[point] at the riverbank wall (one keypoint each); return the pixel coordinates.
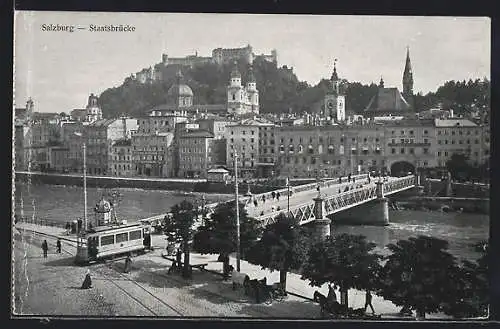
(447, 204)
(168, 184)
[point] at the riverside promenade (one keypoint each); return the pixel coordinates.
(51, 286)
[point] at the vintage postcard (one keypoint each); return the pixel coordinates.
(231, 166)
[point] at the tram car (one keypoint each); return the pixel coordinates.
(109, 241)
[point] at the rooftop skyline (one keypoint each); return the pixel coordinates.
(60, 69)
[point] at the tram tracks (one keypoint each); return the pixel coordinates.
(115, 278)
(101, 275)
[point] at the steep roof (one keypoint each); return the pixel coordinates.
(102, 123)
(388, 100)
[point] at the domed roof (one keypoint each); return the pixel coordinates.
(251, 76)
(235, 73)
(179, 88)
(102, 206)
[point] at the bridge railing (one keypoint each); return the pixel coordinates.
(340, 201)
(399, 184)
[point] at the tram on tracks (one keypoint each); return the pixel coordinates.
(104, 242)
(109, 238)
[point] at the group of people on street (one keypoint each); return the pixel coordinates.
(45, 247)
(332, 298)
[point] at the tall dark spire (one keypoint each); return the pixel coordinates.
(408, 76)
(335, 78)
(381, 83)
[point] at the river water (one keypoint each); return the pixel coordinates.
(65, 203)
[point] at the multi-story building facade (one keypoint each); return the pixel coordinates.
(120, 161)
(59, 158)
(152, 154)
(198, 152)
(461, 136)
(215, 125)
(243, 138)
(99, 136)
(410, 144)
(22, 146)
(328, 151)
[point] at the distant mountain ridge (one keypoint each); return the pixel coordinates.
(279, 88)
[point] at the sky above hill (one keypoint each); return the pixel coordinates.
(60, 69)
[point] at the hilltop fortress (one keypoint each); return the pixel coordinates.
(219, 56)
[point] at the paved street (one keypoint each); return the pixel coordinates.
(51, 286)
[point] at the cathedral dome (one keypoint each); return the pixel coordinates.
(179, 88)
(102, 206)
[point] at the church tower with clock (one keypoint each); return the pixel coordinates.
(334, 99)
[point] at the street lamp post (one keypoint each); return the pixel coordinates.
(288, 194)
(84, 147)
(84, 187)
(237, 211)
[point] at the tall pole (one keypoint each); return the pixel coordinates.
(84, 187)
(288, 188)
(237, 211)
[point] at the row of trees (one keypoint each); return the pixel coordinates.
(460, 168)
(419, 274)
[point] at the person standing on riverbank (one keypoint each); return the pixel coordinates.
(58, 245)
(45, 248)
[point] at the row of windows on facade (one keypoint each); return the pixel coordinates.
(408, 141)
(461, 141)
(332, 139)
(252, 132)
(410, 151)
(194, 150)
(476, 153)
(312, 160)
(195, 159)
(411, 132)
(453, 132)
(330, 150)
(252, 140)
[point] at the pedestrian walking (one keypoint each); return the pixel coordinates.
(354, 179)
(368, 301)
(45, 248)
(332, 296)
(278, 196)
(263, 199)
(68, 228)
(349, 178)
(128, 263)
(340, 179)
(58, 245)
(255, 202)
(87, 282)
(273, 195)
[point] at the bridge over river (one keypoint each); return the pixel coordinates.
(312, 204)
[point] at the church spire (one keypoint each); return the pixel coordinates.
(408, 76)
(335, 78)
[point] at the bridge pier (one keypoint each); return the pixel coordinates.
(320, 227)
(382, 206)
